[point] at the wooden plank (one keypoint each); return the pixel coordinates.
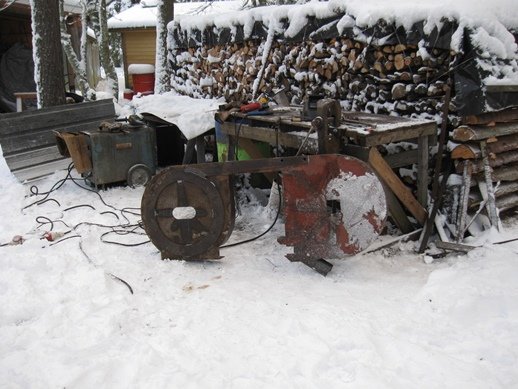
(401, 159)
(395, 161)
(270, 135)
(477, 132)
(402, 192)
(390, 135)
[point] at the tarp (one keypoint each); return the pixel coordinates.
(16, 75)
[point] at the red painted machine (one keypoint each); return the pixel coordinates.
(334, 205)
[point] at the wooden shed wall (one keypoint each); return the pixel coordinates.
(139, 46)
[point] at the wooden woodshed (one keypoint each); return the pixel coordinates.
(137, 26)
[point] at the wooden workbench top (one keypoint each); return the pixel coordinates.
(364, 129)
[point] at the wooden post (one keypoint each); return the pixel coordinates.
(461, 219)
(422, 170)
(491, 201)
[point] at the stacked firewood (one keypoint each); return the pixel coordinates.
(486, 155)
(403, 79)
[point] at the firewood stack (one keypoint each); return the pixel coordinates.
(403, 79)
(486, 156)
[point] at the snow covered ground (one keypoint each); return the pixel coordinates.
(252, 320)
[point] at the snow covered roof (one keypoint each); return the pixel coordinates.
(144, 15)
(491, 20)
(73, 6)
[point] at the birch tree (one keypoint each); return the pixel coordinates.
(165, 14)
(47, 54)
(104, 48)
(77, 63)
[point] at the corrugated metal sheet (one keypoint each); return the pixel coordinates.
(28, 140)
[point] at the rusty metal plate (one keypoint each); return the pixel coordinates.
(334, 206)
(184, 214)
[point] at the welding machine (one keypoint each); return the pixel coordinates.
(115, 152)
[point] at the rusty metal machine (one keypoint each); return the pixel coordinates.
(334, 205)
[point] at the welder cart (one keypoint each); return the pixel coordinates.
(114, 152)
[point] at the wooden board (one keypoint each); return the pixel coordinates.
(401, 191)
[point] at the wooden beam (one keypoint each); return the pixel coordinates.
(402, 192)
(478, 132)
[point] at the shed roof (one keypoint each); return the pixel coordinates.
(144, 15)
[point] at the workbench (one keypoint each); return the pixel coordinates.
(359, 135)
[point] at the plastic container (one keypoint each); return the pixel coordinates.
(143, 76)
(128, 94)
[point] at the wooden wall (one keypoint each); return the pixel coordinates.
(139, 46)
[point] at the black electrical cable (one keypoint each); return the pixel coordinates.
(79, 206)
(105, 272)
(111, 213)
(45, 221)
(267, 230)
(47, 200)
(35, 191)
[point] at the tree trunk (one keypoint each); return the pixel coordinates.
(48, 57)
(165, 14)
(104, 49)
(79, 65)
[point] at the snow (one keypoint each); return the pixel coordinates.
(491, 21)
(252, 319)
(145, 15)
(390, 318)
(192, 116)
(141, 68)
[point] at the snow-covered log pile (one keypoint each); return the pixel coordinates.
(379, 79)
(390, 58)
